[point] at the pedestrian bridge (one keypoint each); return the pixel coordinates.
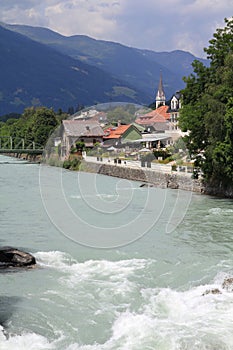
(16, 145)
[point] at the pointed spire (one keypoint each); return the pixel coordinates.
(160, 96)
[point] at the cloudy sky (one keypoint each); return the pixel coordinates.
(159, 25)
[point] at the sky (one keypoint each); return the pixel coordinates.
(158, 25)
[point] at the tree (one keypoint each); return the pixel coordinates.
(223, 152)
(35, 125)
(125, 114)
(70, 110)
(43, 123)
(207, 108)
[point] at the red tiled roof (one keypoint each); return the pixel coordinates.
(159, 115)
(116, 133)
(162, 110)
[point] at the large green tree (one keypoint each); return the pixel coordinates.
(35, 125)
(43, 123)
(207, 111)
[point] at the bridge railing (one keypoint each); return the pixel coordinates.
(10, 144)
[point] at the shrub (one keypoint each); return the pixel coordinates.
(67, 164)
(161, 153)
(72, 164)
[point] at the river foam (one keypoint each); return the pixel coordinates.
(163, 318)
(150, 294)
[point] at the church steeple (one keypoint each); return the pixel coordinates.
(160, 99)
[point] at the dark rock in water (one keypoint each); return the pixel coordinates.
(228, 284)
(212, 291)
(146, 185)
(12, 257)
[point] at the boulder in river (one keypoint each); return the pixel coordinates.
(212, 291)
(228, 284)
(12, 257)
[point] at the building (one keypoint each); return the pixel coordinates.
(92, 114)
(153, 141)
(119, 135)
(164, 119)
(156, 120)
(87, 131)
(175, 105)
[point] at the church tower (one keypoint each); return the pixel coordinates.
(160, 99)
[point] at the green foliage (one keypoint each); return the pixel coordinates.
(161, 153)
(223, 152)
(126, 114)
(80, 146)
(5, 117)
(207, 110)
(72, 164)
(34, 125)
(66, 164)
(43, 123)
(73, 149)
(61, 116)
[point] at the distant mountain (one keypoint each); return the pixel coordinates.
(41, 67)
(32, 73)
(140, 68)
(178, 61)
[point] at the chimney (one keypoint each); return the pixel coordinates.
(119, 123)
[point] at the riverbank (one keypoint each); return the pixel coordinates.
(157, 178)
(32, 158)
(159, 175)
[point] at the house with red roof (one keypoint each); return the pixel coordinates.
(115, 136)
(155, 120)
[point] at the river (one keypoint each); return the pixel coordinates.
(119, 266)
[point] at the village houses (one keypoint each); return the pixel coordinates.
(155, 129)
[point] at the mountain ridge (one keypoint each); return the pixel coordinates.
(136, 70)
(35, 74)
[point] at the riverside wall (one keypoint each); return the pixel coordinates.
(35, 158)
(148, 176)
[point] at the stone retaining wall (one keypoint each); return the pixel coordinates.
(158, 179)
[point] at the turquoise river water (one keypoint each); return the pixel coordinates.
(119, 266)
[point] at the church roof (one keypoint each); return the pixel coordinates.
(177, 95)
(160, 93)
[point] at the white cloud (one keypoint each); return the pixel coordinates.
(23, 12)
(83, 17)
(210, 6)
(153, 24)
